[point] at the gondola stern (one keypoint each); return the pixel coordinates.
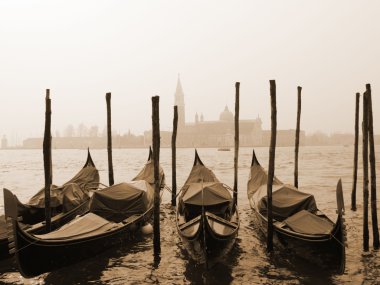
(339, 197)
(341, 232)
(89, 161)
(150, 156)
(10, 204)
(197, 160)
(254, 159)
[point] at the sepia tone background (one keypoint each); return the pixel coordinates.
(135, 49)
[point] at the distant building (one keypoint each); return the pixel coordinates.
(4, 142)
(220, 133)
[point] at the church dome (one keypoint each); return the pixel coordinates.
(226, 115)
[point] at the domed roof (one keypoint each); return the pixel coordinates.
(226, 115)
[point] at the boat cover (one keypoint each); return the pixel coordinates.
(286, 199)
(215, 199)
(73, 192)
(200, 173)
(147, 173)
(308, 223)
(120, 201)
(207, 194)
(87, 225)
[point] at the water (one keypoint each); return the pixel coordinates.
(319, 170)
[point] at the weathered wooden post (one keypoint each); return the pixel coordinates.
(109, 139)
(299, 89)
(272, 153)
(47, 160)
(156, 162)
(372, 160)
(236, 155)
(365, 173)
(174, 157)
(355, 178)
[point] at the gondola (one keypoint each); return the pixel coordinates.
(206, 218)
(114, 213)
(298, 225)
(67, 201)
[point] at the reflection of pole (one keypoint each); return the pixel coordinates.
(47, 160)
(156, 161)
(272, 152)
(372, 160)
(365, 173)
(174, 157)
(236, 156)
(299, 88)
(355, 178)
(109, 139)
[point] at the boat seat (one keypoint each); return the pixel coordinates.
(220, 220)
(131, 219)
(279, 224)
(181, 220)
(189, 223)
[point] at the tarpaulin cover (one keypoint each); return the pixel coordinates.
(215, 199)
(200, 173)
(120, 201)
(258, 178)
(286, 199)
(308, 223)
(213, 193)
(84, 226)
(147, 173)
(77, 189)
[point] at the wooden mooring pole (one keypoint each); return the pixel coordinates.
(47, 160)
(365, 173)
(299, 89)
(355, 174)
(236, 154)
(372, 160)
(174, 157)
(156, 162)
(272, 153)
(109, 139)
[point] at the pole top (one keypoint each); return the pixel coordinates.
(47, 94)
(299, 88)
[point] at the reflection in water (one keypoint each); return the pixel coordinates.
(85, 271)
(219, 273)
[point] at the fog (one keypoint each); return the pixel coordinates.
(135, 49)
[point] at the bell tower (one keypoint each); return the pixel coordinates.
(179, 100)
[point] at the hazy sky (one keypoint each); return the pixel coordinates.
(135, 49)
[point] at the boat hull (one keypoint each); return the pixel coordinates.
(206, 246)
(54, 254)
(326, 251)
(40, 228)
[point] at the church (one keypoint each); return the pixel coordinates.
(219, 133)
(201, 133)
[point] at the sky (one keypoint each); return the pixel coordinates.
(135, 49)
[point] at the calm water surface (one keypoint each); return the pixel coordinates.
(133, 263)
